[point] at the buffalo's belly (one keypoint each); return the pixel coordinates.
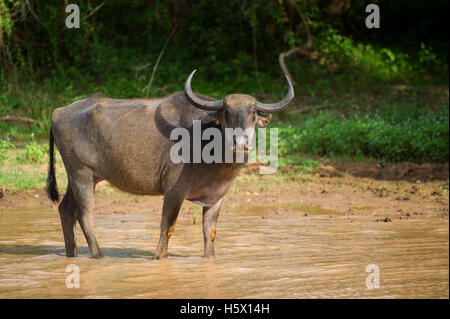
(209, 194)
(147, 190)
(142, 183)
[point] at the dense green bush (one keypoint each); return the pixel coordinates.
(376, 62)
(227, 36)
(394, 134)
(34, 153)
(5, 146)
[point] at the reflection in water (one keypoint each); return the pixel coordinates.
(258, 255)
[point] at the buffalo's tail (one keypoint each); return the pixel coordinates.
(52, 188)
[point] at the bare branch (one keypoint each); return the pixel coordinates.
(149, 86)
(95, 10)
(19, 119)
(308, 43)
(34, 14)
(298, 50)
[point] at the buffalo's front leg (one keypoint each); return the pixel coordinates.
(210, 216)
(171, 208)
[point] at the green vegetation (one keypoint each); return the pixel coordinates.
(360, 93)
(5, 146)
(25, 168)
(303, 166)
(393, 133)
(20, 179)
(35, 153)
(197, 211)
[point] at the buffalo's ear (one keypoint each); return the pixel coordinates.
(263, 119)
(215, 116)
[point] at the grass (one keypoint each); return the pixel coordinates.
(19, 179)
(20, 172)
(197, 210)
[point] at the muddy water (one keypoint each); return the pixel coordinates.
(260, 253)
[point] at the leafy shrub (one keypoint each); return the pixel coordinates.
(35, 153)
(5, 146)
(394, 134)
(377, 62)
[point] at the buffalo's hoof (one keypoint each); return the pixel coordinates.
(72, 254)
(159, 257)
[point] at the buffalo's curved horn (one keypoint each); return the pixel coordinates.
(276, 107)
(196, 101)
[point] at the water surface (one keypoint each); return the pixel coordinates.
(259, 254)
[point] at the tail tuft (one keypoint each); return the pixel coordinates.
(52, 187)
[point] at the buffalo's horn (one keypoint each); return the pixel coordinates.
(196, 101)
(276, 107)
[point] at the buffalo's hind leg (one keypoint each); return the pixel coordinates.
(83, 184)
(209, 219)
(67, 214)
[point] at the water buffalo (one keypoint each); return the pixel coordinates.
(127, 143)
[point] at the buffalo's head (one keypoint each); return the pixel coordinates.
(239, 112)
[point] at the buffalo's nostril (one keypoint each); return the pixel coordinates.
(240, 142)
